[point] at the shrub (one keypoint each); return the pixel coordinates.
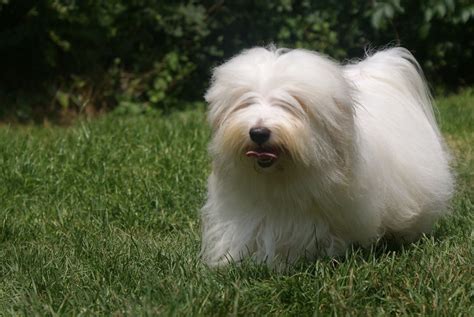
(136, 54)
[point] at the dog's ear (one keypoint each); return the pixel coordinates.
(302, 104)
(339, 130)
(344, 106)
(215, 118)
(215, 108)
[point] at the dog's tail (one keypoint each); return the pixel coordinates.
(399, 68)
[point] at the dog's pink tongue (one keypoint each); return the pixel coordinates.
(262, 155)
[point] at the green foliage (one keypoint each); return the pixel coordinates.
(101, 218)
(159, 53)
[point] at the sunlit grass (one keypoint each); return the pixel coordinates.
(102, 218)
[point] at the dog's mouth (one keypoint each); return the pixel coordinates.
(265, 156)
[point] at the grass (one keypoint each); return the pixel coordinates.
(102, 218)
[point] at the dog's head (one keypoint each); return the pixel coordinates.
(276, 109)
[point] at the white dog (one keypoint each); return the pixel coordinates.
(310, 156)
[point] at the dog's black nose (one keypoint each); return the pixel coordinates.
(259, 135)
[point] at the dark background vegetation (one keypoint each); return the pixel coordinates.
(60, 57)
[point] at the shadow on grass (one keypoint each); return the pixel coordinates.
(355, 256)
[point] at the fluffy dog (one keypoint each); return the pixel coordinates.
(310, 156)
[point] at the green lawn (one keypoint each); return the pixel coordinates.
(102, 218)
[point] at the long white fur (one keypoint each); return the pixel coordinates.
(363, 156)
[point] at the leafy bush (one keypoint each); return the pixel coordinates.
(137, 54)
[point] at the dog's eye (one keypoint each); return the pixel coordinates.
(241, 106)
(292, 106)
(293, 109)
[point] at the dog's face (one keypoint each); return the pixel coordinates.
(263, 132)
(269, 112)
